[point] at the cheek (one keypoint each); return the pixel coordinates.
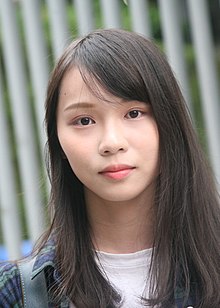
(149, 147)
(148, 140)
(76, 150)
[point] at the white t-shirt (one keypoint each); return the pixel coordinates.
(128, 274)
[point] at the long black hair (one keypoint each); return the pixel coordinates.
(187, 239)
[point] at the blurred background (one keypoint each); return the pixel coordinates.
(33, 34)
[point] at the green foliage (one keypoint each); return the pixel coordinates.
(155, 21)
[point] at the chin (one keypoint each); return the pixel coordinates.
(120, 197)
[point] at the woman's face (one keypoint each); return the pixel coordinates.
(112, 147)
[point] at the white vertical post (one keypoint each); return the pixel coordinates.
(111, 13)
(140, 19)
(26, 145)
(84, 13)
(59, 26)
(8, 201)
(37, 60)
(173, 39)
(37, 57)
(208, 78)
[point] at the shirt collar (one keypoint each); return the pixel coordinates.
(45, 258)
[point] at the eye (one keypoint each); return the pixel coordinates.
(134, 114)
(83, 121)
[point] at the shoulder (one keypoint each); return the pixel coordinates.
(10, 285)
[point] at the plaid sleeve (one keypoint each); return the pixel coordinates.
(10, 286)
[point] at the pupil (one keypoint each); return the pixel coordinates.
(133, 113)
(85, 121)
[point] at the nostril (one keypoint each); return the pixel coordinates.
(112, 147)
(113, 150)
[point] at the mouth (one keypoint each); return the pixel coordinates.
(117, 172)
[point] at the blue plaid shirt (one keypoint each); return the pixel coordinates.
(10, 283)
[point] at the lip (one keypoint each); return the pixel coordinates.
(117, 172)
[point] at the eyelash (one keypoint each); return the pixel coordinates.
(139, 112)
(78, 121)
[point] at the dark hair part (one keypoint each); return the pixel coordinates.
(187, 236)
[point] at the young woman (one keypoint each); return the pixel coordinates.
(135, 210)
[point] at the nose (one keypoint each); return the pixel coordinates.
(112, 141)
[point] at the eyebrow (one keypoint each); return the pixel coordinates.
(79, 105)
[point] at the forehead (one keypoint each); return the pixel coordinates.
(71, 81)
(73, 87)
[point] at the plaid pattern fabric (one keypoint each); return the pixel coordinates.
(10, 291)
(10, 283)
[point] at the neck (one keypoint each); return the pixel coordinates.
(120, 227)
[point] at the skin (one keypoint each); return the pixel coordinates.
(122, 136)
